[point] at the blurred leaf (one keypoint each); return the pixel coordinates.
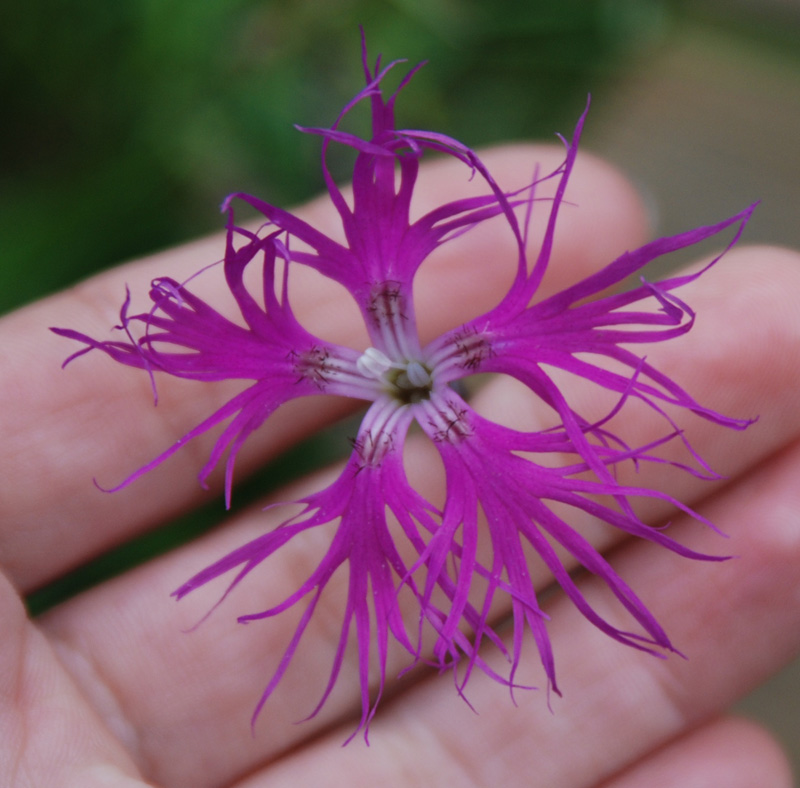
(125, 124)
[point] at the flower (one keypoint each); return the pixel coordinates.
(514, 478)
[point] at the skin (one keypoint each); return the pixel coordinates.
(108, 690)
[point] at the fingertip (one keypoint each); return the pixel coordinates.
(612, 214)
(602, 217)
(731, 751)
(759, 748)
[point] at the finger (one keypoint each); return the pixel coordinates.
(732, 752)
(129, 631)
(737, 622)
(49, 735)
(96, 419)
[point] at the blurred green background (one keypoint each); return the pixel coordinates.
(125, 124)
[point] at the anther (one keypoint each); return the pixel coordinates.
(417, 376)
(407, 381)
(373, 363)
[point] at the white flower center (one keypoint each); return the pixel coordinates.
(408, 380)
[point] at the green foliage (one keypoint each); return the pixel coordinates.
(125, 124)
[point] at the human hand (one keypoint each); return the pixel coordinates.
(107, 689)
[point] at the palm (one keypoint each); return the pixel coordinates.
(107, 687)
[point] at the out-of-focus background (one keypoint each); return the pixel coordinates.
(124, 124)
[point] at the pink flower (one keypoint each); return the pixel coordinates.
(404, 381)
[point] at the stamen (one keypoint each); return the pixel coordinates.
(373, 363)
(417, 375)
(406, 381)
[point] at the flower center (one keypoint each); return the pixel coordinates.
(407, 381)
